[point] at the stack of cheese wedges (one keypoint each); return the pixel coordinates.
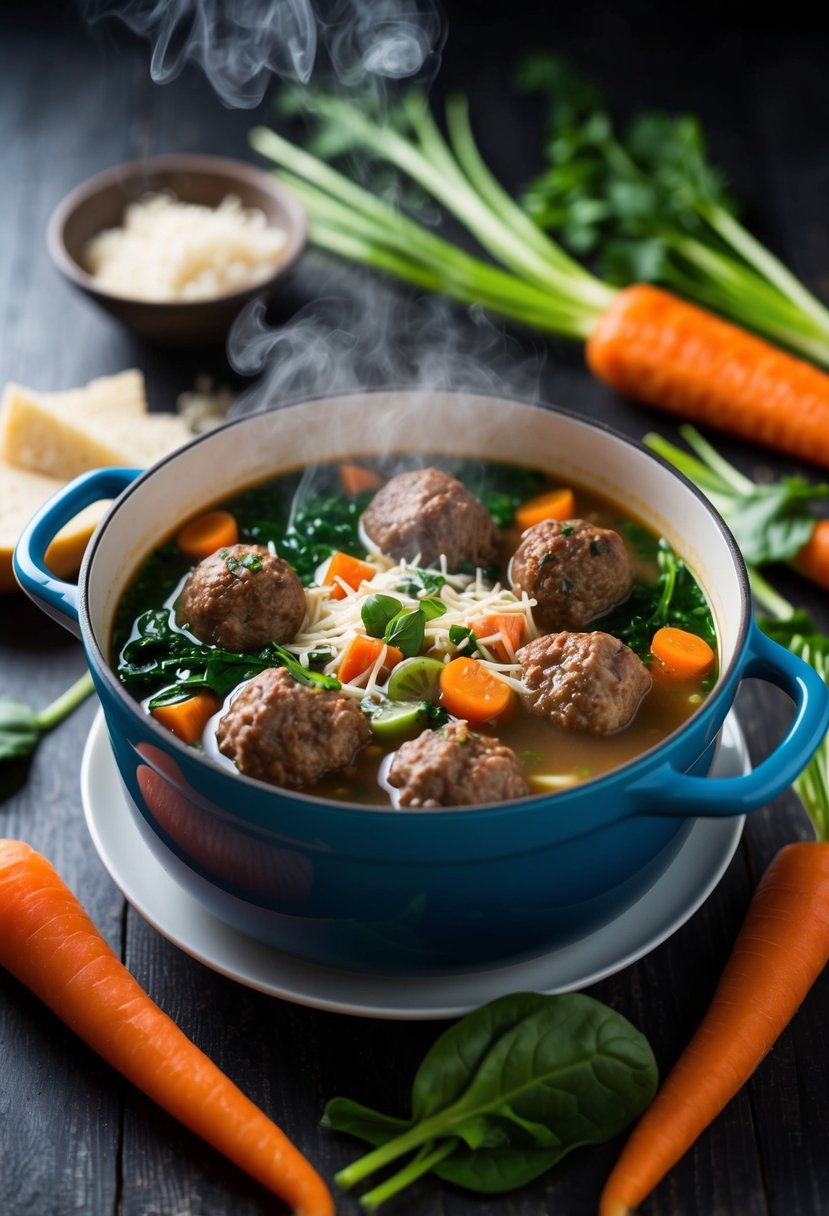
(46, 439)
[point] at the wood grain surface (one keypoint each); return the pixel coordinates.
(76, 1139)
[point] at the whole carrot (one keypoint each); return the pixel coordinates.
(657, 348)
(780, 951)
(49, 943)
(813, 558)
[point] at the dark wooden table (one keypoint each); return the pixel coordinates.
(74, 1138)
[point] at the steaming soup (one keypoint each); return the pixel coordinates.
(417, 635)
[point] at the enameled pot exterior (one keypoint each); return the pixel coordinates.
(419, 890)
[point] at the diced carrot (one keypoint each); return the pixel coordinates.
(352, 572)
(187, 719)
(356, 480)
(509, 625)
(556, 504)
(207, 533)
(471, 692)
(682, 655)
(362, 653)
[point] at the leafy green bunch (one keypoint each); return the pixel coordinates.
(504, 1094)
(649, 206)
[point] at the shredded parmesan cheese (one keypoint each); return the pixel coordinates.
(330, 624)
(166, 249)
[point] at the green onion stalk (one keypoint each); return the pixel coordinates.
(530, 280)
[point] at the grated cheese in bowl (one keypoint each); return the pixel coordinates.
(169, 250)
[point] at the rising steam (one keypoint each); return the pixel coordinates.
(369, 336)
(241, 45)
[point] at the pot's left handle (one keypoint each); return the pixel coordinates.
(56, 597)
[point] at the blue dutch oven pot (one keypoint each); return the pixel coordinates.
(418, 891)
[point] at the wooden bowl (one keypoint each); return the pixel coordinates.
(100, 202)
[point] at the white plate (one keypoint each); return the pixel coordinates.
(688, 881)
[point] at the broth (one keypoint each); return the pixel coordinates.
(304, 515)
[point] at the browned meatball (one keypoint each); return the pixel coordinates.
(430, 513)
(288, 733)
(242, 597)
(455, 767)
(583, 681)
(574, 570)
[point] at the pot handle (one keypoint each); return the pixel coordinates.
(666, 791)
(56, 597)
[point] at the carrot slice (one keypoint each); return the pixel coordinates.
(187, 719)
(49, 943)
(682, 655)
(509, 626)
(207, 533)
(556, 504)
(362, 653)
(354, 479)
(471, 692)
(352, 572)
(813, 558)
(662, 350)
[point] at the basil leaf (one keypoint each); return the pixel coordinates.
(406, 631)
(377, 612)
(432, 607)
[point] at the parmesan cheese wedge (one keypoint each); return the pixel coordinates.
(46, 439)
(22, 493)
(64, 434)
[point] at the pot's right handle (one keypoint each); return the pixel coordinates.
(666, 791)
(56, 597)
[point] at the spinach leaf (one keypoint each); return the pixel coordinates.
(674, 597)
(505, 1093)
(21, 729)
(164, 661)
(319, 527)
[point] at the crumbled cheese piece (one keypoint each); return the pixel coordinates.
(204, 406)
(166, 249)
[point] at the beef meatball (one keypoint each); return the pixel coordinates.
(430, 513)
(288, 733)
(583, 681)
(454, 766)
(573, 569)
(242, 597)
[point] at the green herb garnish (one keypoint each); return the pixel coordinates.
(377, 612)
(463, 638)
(406, 631)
